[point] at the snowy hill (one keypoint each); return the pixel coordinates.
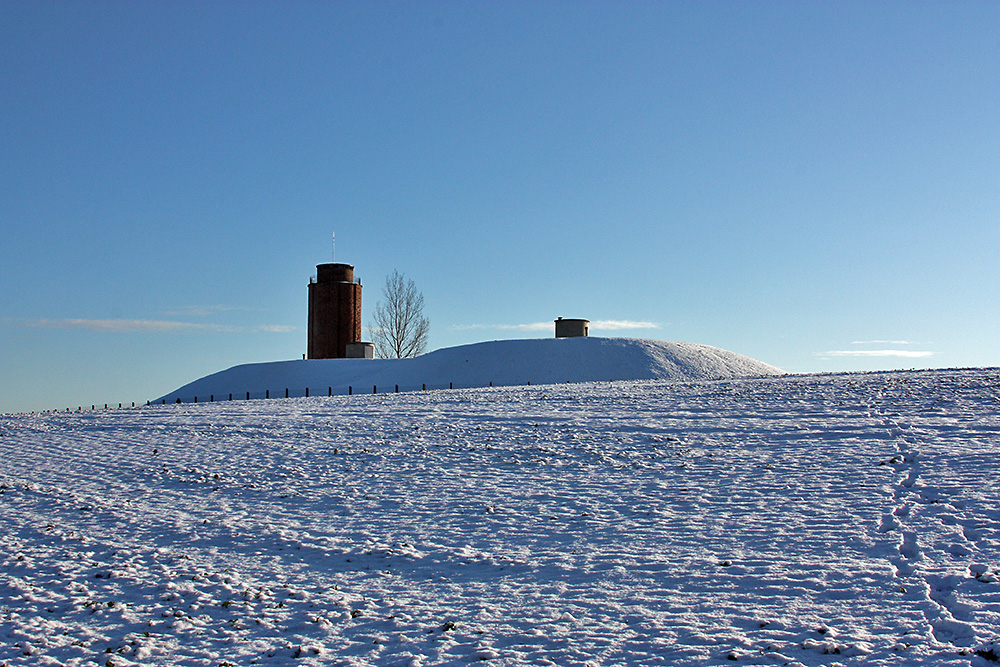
(797, 520)
(504, 362)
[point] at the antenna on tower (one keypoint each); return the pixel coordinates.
(333, 246)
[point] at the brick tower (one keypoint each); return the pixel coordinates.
(334, 311)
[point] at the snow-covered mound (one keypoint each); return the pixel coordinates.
(502, 362)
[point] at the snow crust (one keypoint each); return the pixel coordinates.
(503, 362)
(799, 520)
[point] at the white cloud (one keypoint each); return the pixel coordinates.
(533, 326)
(616, 325)
(142, 326)
(879, 353)
(596, 325)
(204, 311)
(123, 325)
(882, 342)
(276, 328)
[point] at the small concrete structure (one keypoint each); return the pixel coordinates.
(360, 350)
(570, 328)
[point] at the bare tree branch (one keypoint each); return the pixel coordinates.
(398, 328)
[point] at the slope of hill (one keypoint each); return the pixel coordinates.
(797, 520)
(503, 362)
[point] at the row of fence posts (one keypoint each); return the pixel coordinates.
(329, 392)
(267, 394)
(107, 406)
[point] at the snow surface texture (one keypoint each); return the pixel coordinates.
(503, 362)
(801, 520)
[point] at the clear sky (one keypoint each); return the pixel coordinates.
(813, 184)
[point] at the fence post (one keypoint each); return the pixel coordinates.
(248, 395)
(424, 388)
(374, 388)
(397, 388)
(286, 392)
(267, 393)
(349, 390)
(211, 398)
(307, 392)
(450, 386)
(230, 397)
(329, 391)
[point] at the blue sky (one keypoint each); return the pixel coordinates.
(816, 185)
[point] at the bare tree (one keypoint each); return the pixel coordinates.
(398, 327)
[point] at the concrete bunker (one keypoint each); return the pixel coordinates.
(572, 328)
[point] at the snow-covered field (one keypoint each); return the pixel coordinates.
(811, 520)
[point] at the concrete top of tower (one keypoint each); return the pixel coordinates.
(335, 273)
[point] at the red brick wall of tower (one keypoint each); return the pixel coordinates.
(334, 312)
